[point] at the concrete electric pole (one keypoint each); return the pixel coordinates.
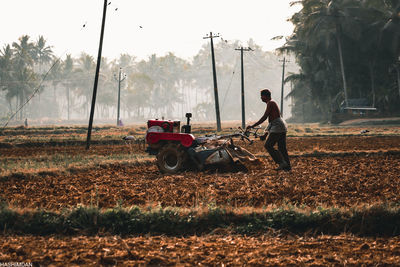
(120, 79)
(96, 77)
(241, 49)
(211, 36)
(283, 82)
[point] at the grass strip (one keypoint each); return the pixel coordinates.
(378, 220)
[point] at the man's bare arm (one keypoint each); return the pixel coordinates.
(263, 118)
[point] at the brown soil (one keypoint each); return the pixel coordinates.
(294, 144)
(209, 250)
(331, 181)
(345, 181)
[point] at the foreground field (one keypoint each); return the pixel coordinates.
(334, 181)
(332, 168)
(31, 157)
(214, 250)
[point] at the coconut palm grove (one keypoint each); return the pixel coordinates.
(342, 51)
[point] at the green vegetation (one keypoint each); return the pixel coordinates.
(182, 85)
(346, 49)
(379, 220)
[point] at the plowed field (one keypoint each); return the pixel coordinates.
(332, 181)
(295, 145)
(209, 250)
(338, 171)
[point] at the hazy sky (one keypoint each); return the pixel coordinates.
(146, 27)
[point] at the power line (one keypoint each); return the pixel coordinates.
(260, 63)
(36, 90)
(230, 83)
(32, 95)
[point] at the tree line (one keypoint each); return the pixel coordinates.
(346, 50)
(159, 86)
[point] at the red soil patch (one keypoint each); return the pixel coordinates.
(210, 250)
(313, 181)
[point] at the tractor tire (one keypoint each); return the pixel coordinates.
(171, 158)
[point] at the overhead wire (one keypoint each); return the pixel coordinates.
(31, 96)
(36, 90)
(255, 60)
(229, 86)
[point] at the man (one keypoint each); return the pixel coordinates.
(276, 132)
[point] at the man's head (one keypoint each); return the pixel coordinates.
(265, 95)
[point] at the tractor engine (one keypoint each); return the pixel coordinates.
(176, 149)
(165, 140)
(163, 126)
(161, 132)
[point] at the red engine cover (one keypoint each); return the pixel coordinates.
(168, 126)
(185, 139)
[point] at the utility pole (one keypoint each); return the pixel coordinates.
(211, 36)
(339, 42)
(283, 82)
(241, 49)
(119, 92)
(397, 67)
(96, 77)
(68, 101)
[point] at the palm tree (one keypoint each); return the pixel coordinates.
(55, 75)
(392, 25)
(140, 87)
(163, 72)
(362, 33)
(106, 93)
(67, 73)
(44, 53)
(172, 69)
(127, 63)
(84, 78)
(392, 28)
(325, 20)
(6, 74)
(23, 59)
(25, 52)
(314, 42)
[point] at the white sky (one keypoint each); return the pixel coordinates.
(176, 26)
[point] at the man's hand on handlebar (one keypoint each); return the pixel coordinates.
(264, 136)
(248, 132)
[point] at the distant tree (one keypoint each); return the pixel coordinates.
(84, 76)
(107, 90)
(6, 74)
(54, 76)
(164, 72)
(43, 53)
(68, 81)
(343, 40)
(127, 63)
(140, 87)
(24, 76)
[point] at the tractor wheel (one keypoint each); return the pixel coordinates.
(171, 158)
